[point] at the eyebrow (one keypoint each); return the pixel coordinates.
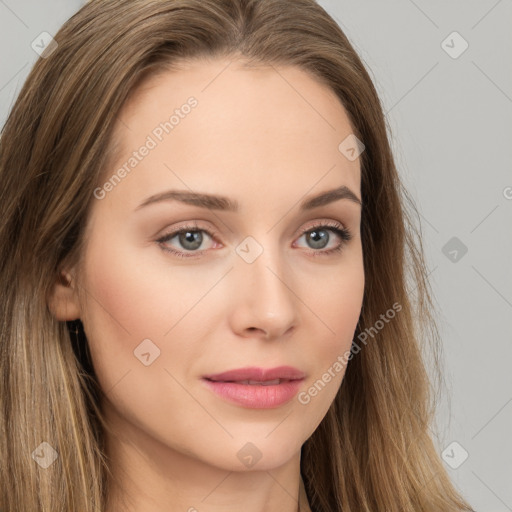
(216, 202)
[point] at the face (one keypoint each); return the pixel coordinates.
(261, 278)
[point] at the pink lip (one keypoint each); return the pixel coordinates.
(255, 373)
(256, 396)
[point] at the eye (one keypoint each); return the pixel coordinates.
(191, 237)
(318, 237)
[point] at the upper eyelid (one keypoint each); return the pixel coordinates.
(193, 226)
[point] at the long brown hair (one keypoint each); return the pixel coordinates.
(373, 450)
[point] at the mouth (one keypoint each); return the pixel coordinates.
(274, 382)
(256, 375)
(256, 388)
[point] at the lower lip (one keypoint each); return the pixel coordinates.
(256, 396)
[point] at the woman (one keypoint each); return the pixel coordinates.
(205, 243)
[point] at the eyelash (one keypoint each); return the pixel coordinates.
(344, 233)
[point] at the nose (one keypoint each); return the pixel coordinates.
(263, 303)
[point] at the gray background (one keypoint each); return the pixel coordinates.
(451, 133)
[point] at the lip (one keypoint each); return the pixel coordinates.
(233, 386)
(256, 373)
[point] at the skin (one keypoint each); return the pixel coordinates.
(267, 138)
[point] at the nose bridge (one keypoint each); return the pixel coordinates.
(265, 287)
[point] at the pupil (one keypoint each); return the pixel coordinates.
(318, 237)
(196, 239)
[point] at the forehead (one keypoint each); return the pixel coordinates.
(242, 90)
(250, 125)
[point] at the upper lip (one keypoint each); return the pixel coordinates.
(258, 374)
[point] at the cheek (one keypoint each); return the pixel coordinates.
(336, 299)
(132, 294)
(121, 309)
(129, 301)
(120, 298)
(335, 304)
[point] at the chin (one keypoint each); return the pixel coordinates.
(259, 453)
